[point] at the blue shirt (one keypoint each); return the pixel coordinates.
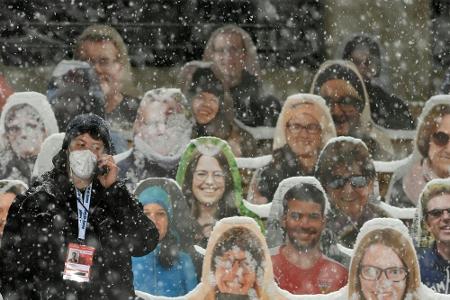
(151, 277)
(434, 270)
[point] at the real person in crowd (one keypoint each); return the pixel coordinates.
(103, 47)
(78, 206)
(384, 264)
(9, 189)
(432, 235)
(431, 155)
(210, 180)
(5, 90)
(26, 120)
(303, 128)
(74, 89)
(237, 264)
(299, 264)
(204, 86)
(233, 50)
(346, 171)
(162, 130)
(166, 271)
(343, 88)
(387, 110)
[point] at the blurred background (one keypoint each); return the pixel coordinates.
(293, 38)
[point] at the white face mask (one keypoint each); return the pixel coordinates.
(82, 163)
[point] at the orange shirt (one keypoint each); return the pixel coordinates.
(324, 277)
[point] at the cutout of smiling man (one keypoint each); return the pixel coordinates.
(300, 267)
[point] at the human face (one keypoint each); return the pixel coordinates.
(235, 272)
(303, 135)
(229, 55)
(104, 57)
(158, 215)
(439, 227)
(351, 200)
(208, 181)
(439, 156)
(25, 132)
(6, 199)
(364, 62)
(303, 223)
(382, 257)
(205, 107)
(86, 142)
(163, 127)
(342, 99)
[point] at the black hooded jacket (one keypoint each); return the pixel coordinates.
(43, 221)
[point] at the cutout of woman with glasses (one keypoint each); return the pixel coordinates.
(431, 155)
(384, 263)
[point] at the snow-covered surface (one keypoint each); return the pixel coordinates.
(258, 132)
(398, 212)
(50, 147)
(253, 162)
(262, 210)
(36, 100)
(10, 183)
(65, 65)
(390, 166)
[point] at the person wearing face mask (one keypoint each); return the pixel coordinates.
(26, 120)
(162, 129)
(78, 206)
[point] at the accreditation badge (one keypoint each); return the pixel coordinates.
(78, 263)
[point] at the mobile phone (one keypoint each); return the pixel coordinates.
(101, 170)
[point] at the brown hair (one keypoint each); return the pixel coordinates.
(224, 207)
(400, 245)
(428, 126)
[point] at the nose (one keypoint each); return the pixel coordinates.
(209, 179)
(231, 273)
(336, 109)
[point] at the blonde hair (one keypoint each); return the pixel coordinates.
(400, 245)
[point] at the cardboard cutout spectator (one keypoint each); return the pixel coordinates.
(237, 263)
(74, 89)
(430, 158)
(295, 225)
(346, 171)
(5, 90)
(9, 189)
(161, 131)
(233, 50)
(26, 120)
(387, 110)
(384, 263)
(211, 183)
(341, 85)
(103, 47)
(431, 235)
(166, 271)
(78, 206)
(303, 128)
(212, 108)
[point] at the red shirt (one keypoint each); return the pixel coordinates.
(324, 277)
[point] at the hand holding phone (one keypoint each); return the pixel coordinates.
(108, 171)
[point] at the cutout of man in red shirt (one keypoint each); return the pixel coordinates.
(300, 267)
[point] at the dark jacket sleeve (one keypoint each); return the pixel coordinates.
(16, 264)
(138, 231)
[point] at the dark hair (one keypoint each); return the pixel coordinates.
(305, 192)
(204, 80)
(239, 237)
(366, 42)
(224, 207)
(346, 153)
